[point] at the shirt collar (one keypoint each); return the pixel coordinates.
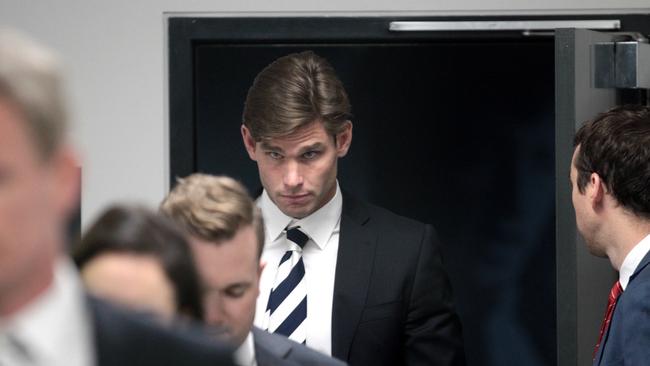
(58, 318)
(245, 353)
(319, 226)
(632, 260)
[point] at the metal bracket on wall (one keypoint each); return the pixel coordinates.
(621, 65)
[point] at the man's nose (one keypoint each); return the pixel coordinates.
(293, 174)
(213, 310)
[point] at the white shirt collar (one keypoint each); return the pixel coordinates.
(245, 353)
(55, 328)
(632, 260)
(319, 226)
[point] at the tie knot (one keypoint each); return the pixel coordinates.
(295, 235)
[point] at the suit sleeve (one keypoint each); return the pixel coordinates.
(432, 330)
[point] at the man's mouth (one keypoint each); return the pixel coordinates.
(295, 198)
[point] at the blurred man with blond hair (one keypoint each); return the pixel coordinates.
(227, 236)
(46, 318)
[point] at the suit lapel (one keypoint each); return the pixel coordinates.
(268, 347)
(644, 262)
(353, 269)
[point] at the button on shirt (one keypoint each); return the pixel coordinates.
(55, 329)
(632, 260)
(319, 257)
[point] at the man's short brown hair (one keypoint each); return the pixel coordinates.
(292, 92)
(213, 208)
(616, 146)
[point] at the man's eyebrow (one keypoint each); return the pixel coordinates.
(268, 146)
(314, 146)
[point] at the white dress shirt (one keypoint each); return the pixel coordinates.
(245, 353)
(632, 260)
(55, 329)
(319, 257)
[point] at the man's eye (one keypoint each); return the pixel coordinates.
(274, 155)
(236, 292)
(310, 155)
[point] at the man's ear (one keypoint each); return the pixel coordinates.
(344, 139)
(67, 180)
(249, 142)
(596, 191)
(261, 267)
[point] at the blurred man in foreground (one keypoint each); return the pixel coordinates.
(46, 319)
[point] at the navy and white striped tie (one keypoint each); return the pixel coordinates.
(287, 307)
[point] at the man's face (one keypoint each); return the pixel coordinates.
(584, 209)
(137, 281)
(299, 170)
(34, 200)
(230, 272)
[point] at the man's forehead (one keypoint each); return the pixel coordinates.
(290, 145)
(303, 138)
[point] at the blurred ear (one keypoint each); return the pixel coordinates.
(66, 174)
(260, 269)
(249, 142)
(344, 139)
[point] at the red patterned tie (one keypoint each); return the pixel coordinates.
(616, 291)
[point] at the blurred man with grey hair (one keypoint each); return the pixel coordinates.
(46, 318)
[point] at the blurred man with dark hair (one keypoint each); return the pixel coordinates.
(610, 175)
(140, 259)
(227, 236)
(46, 319)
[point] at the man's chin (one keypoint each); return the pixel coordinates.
(226, 336)
(295, 211)
(221, 334)
(596, 250)
(297, 214)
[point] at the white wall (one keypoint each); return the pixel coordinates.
(116, 68)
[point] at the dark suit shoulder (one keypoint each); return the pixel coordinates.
(407, 314)
(363, 210)
(125, 338)
(288, 350)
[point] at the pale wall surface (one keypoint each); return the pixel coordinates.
(116, 68)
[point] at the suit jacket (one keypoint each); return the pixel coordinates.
(123, 339)
(627, 342)
(392, 301)
(273, 349)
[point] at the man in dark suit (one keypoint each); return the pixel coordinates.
(610, 175)
(46, 318)
(346, 278)
(226, 235)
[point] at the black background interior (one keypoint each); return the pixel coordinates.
(460, 135)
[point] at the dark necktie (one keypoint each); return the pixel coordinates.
(616, 291)
(287, 307)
